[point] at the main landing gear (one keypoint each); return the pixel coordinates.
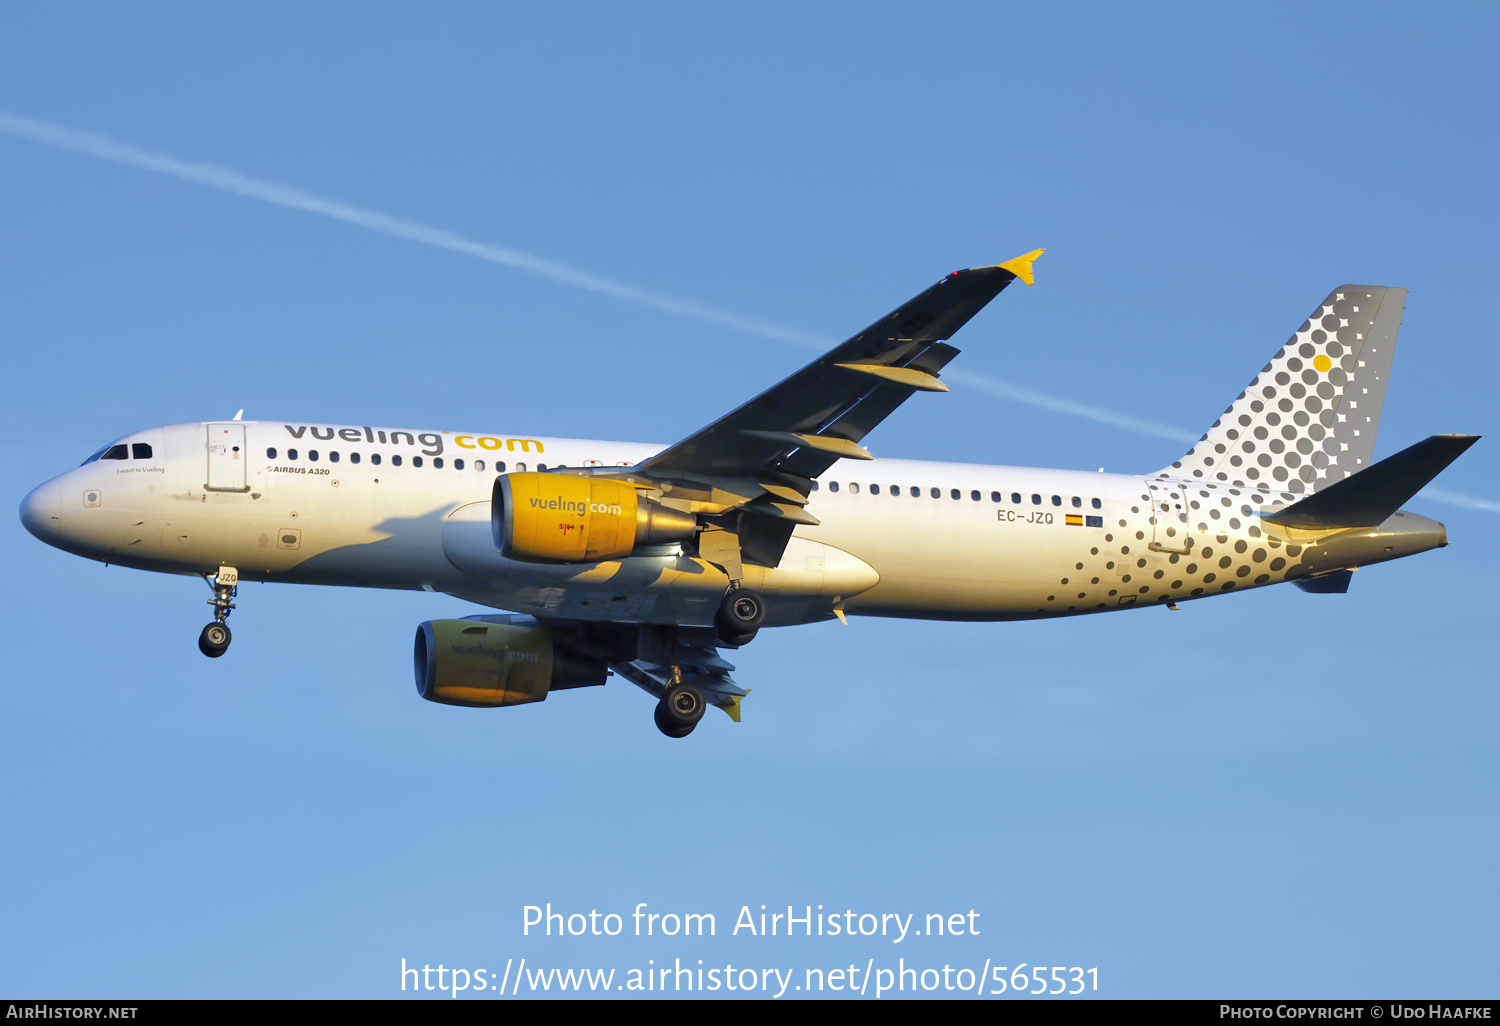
(740, 615)
(214, 640)
(679, 710)
(682, 704)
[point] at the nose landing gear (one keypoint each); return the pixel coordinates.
(214, 640)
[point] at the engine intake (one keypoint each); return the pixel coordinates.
(487, 665)
(563, 518)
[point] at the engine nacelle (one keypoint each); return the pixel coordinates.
(566, 518)
(486, 665)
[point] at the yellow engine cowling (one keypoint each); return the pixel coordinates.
(488, 665)
(563, 518)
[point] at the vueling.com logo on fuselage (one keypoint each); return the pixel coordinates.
(430, 441)
(493, 444)
(577, 508)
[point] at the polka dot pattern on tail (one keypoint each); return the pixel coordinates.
(1310, 416)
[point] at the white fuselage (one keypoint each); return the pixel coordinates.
(365, 507)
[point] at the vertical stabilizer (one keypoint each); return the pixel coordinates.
(1309, 417)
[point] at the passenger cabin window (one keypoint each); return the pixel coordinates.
(874, 489)
(438, 462)
(458, 464)
(853, 488)
(1015, 497)
(396, 461)
(416, 461)
(500, 469)
(375, 458)
(955, 494)
(333, 457)
(937, 493)
(520, 468)
(1036, 500)
(312, 454)
(1057, 500)
(270, 454)
(291, 454)
(140, 451)
(995, 496)
(815, 486)
(916, 493)
(1077, 502)
(354, 457)
(479, 465)
(974, 495)
(833, 486)
(1098, 504)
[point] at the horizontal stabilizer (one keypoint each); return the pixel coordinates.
(1336, 583)
(1369, 497)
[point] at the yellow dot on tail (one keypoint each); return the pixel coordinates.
(1322, 363)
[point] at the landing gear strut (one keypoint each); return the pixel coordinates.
(679, 710)
(215, 638)
(740, 615)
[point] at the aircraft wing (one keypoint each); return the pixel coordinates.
(795, 430)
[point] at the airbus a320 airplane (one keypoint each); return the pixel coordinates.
(647, 560)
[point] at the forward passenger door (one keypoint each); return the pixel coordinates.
(226, 458)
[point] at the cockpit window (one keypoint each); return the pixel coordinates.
(121, 451)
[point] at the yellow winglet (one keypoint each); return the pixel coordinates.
(1021, 265)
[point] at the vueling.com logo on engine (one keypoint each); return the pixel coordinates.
(578, 508)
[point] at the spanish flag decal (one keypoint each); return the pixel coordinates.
(1075, 519)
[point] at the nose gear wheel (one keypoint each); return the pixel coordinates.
(214, 639)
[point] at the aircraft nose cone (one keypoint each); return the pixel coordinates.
(41, 511)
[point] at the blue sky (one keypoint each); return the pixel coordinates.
(1269, 794)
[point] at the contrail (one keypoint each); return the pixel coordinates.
(214, 176)
(1458, 499)
(1051, 402)
(101, 147)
